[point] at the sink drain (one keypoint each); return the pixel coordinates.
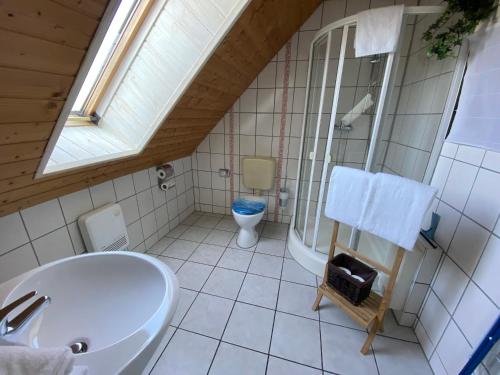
(79, 347)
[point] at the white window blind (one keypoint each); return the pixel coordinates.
(477, 121)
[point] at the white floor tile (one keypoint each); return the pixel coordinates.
(186, 298)
(234, 244)
(271, 246)
(278, 366)
(219, 237)
(259, 290)
(231, 359)
(297, 339)
(177, 231)
(173, 263)
(193, 275)
(247, 329)
(195, 234)
(297, 299)
(228, 224)
(207, 221)
(177, 359)
(275, 230)
(341, 351)
(161, 245)
(266, 265)
(293, 271)
(224, 283)
(394, 330)
(234, 259)
(180, 249)
(395, 357)
(207, 254)
(208, 315)
(250, 327)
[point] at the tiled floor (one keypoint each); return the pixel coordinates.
(248, 311)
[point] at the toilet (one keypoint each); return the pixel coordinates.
(258, 174)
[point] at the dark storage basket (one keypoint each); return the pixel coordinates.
(354, 290)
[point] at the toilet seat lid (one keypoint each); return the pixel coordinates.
(244, 206)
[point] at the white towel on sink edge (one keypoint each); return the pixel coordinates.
(24, 360)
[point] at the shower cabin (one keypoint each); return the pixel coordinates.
(386, 112)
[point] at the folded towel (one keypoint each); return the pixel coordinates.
(24, 360)
(347, 194)
(377, 30)
(396, 208)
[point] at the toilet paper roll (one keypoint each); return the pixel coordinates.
(164, 186)
(161, 173)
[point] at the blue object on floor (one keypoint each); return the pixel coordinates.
(247, 207)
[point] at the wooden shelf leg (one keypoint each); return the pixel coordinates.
(318, 300)
(371, 336)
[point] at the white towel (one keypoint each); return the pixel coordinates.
(347, 194)
(24, 360)
(377, 30)
(396, 208)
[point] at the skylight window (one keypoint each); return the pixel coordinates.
(144, 56)
(103, 58)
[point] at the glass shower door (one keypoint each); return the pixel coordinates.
(315, 91)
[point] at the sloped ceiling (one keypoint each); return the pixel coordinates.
(43, 43)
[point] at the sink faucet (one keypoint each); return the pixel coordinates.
(8, 326)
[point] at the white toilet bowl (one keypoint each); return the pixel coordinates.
(247, 236)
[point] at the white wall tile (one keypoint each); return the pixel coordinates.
(434, 318)
(76, 238)
(145, 202)
(135, 234)
(53, 239)
(53, 246)
(447, 224)
(124, 187)
(130, 209)
(43, 218)
(471, 155)
(450, 275)
(12, 232)
(453, 349)
(492, 161)
(141, 180)
(459, 184)
(17, 262)
(76, 204)
(468, 244)
(483, 205)
(475, 314)
(102, 194)
(486, 273)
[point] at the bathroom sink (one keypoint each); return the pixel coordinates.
(117, 305)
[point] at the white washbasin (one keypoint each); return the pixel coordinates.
(118, 303)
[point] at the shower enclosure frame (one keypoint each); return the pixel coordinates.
(305, 255)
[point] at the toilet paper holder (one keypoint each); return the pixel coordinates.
(165, 171)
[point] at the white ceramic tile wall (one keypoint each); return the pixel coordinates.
(407, 141)
(257, 116)
(464, 299)
(48, 231)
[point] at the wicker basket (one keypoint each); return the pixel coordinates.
(354, 290)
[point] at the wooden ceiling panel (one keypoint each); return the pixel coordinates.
(43, 43)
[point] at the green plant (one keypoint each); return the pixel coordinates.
(460, 19)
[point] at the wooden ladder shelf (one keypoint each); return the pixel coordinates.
(371, 311)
